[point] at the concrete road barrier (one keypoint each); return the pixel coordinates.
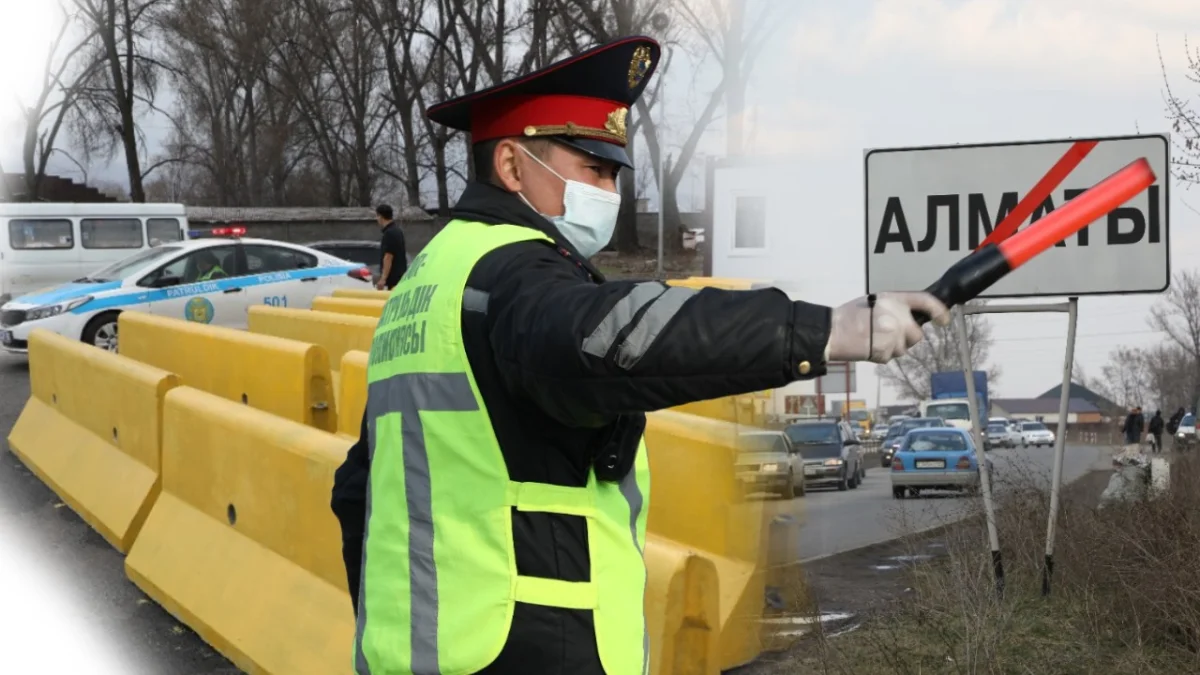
(91, 431)
(696, 501)
(337, 333)
(352, 399)
(361, 294)
(361, 307)
(284, 377)
(682, 609)
(241, 545)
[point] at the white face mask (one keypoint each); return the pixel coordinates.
(589, 213)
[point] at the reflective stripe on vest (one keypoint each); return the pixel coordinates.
(439, 581)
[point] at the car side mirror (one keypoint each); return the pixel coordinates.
(167, 281)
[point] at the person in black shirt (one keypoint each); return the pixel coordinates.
(1156, 430)
(395, 261)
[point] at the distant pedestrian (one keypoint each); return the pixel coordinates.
(1132, 431)
(1156, 430)
(395, 260)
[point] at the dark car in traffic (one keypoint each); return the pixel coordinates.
(896, 432)
(831, 452)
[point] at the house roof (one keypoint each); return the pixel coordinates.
(1079, 391)
(1042, 406)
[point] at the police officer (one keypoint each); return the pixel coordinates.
(495, 504)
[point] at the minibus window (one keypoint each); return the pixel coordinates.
(31, 234)
(110, 233)
(163, 230)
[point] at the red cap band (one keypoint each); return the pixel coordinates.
(558, 114)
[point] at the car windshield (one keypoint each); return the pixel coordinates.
(949, 411)
(1188, 420)
(122, 269)
(763, 443)
(935, 441)
(859, 415)
(1033, 426)
(812, 434)
(920, 424)
(996, 428)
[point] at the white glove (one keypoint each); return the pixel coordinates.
(860, 333)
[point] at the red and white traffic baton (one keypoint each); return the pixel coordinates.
(977, 272)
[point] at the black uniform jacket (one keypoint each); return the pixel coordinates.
(558, 408)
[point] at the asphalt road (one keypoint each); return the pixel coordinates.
(148, 640)
(833, 522)
(84, 568)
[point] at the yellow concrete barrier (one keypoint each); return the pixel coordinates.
(361, 294)
(352, 400)
(241, 545)
(91, 431)
(337, 333)
(705, 508)
(682, 609)
(371, 308)
(283, 377)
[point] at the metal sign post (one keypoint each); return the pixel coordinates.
(985, 479)
(1060, 443)
(1071, 307)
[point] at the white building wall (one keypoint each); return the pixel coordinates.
(814, 244)
(813, 247)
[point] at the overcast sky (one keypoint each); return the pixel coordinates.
(860, 74)
(855, 74)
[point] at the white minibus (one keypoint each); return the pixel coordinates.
(46, 244)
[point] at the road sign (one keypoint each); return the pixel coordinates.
(804, 404)
(835, 381)
(928, 207)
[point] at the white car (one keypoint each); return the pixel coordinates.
(171, 280)
(1036, 433)
(1185, 435)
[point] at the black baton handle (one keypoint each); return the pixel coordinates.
(966, 279)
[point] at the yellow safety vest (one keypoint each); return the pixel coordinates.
(439, 581)
(211, 271)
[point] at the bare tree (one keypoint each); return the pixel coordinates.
(1171, 374)
(331, 60)
(1125, 379)
(64, 69)
(113, 98)
(910, 374)
(725, 33)
(1184, 119)
(230, 123)
(600, 21)
(406, 63)
(1178, 315)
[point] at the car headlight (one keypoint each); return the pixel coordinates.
(770, 468)
(833, 462)
(47, 311)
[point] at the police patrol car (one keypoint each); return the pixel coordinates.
(211, 280)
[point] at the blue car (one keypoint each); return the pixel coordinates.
(941, 458)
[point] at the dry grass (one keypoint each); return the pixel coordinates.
(1126, 596)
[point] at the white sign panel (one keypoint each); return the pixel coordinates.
(836, 381)
(926, 208)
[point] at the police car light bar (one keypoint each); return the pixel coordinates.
(228, 231)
